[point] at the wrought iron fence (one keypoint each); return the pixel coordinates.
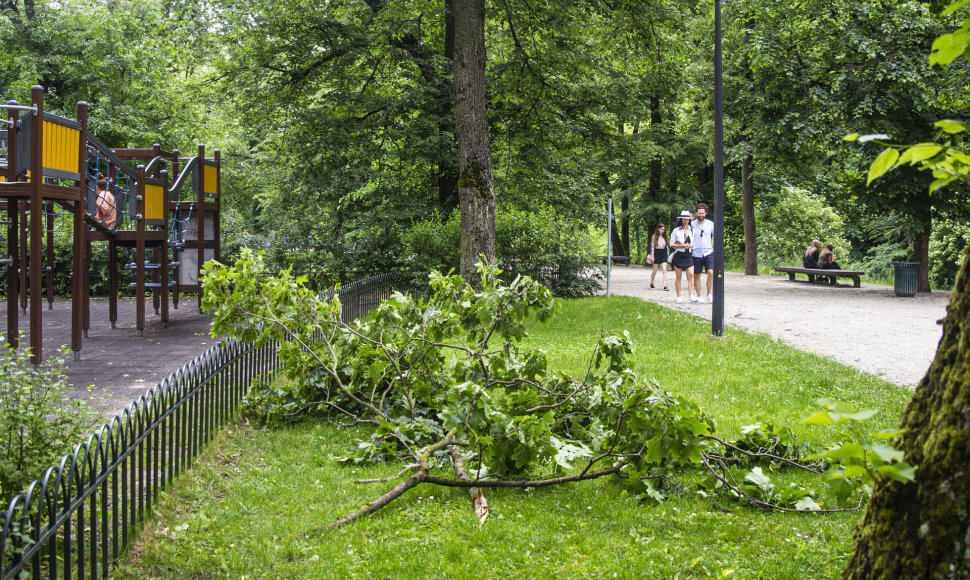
(81, 516)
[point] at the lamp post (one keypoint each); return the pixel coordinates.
(717, 310)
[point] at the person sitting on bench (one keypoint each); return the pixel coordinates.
(810, 257)
(826, 261)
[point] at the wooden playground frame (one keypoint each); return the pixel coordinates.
(60, 151)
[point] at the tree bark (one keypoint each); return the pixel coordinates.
(921, 253)
(747, 209)
(922, 529)
(476, 187)
(656, 164)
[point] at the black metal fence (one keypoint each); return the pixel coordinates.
(81, 516)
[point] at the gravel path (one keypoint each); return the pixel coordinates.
(868, 328)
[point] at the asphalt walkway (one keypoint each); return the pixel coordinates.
(121, 364)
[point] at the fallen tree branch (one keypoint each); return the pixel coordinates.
(479, 503)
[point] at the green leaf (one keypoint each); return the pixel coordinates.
(851, 137)
(807, 503)
(951, 126)
(887, 453)
(902, 472)
(918, 153)
(820, 418)
(883, 163)
(954, 7)
(846, 451)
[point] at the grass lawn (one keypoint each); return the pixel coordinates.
(255, 504)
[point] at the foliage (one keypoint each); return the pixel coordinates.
(858, 458)
(40, 417)
(439, 394)
(948, 242)
(789, 226)
(547, 247)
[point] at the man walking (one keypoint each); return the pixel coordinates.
(702, 230)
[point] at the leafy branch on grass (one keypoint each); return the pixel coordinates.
(448, 389)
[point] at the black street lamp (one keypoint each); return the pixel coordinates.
(717, 310)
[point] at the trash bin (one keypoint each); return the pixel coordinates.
(904, 279)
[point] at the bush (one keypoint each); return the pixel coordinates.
(39, 420)
(539, 244)
(788, 227)
(948, 241)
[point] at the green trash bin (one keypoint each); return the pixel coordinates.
(905, 277)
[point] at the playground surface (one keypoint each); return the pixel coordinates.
(868, 328)
(122, 364)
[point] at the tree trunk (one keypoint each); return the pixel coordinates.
(447, 164)
(476, 187)
(656, 164)
(747, 208)
(922, 529)
(921, 254)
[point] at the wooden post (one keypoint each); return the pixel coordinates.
(36, 223)
(80, 299)
(217, 219)
(13, 229)
(24, 254)
(163, 264)
(112, 283)
(49, 247)
(140, 251)
(200, 185)
(177, 250)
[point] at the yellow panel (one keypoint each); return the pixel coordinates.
(61, 147)
(211, 177)
(154, 202)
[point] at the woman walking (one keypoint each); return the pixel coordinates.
(658, 251)
(680, 241)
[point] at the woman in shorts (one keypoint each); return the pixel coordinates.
(680, 242)
(658, 251)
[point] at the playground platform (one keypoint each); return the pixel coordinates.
(121, 364)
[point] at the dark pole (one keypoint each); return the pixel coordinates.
(717, 311)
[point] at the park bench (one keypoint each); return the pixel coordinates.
(625, 260)
(825, 273)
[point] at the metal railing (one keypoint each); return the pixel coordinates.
(82, 515)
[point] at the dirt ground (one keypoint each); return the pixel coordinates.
(869, 328)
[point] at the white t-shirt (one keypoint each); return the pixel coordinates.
(703, 234)
(679, 236)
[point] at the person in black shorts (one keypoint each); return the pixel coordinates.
(680, 242)
(658, 251)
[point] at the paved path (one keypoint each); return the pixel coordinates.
(122, 364)
(868, 328)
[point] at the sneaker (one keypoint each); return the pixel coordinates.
(665, 289)
(679, 300)
(693, 298)
(651, 285)
(710, 299)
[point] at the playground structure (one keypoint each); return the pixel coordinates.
(118, 196)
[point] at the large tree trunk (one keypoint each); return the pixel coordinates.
(476, 188)
(922, 529)
(447, 165)
(747, 209)
(656, 164)
(921, 253)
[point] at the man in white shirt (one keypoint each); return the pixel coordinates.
(702, 231)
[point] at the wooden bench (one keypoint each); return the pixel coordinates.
(625, 260)
(823, 273)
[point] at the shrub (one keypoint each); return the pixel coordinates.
(788, 227)
(948, 241)
(539, 244)
(39, 419)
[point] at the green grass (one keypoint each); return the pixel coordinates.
(256, 502)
